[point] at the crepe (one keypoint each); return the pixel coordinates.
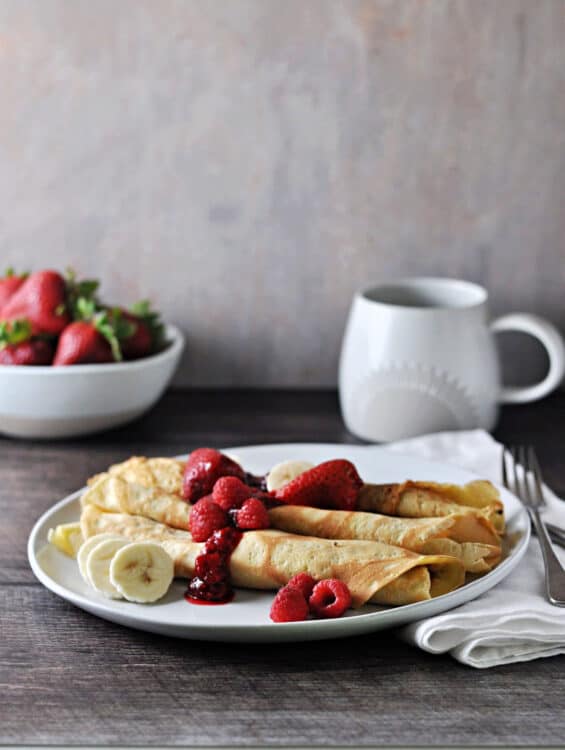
(430, 499)
(470, 538)
(149, 472)
(374, 572)
(409, 499)
(114, 494)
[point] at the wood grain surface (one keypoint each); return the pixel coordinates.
(68, 677)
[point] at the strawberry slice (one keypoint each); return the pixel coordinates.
(41, 299)
(332, 484)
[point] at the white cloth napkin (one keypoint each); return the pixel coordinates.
(513, 621)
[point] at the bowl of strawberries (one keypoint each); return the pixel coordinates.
(70, 364)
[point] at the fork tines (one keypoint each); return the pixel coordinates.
(524, 476)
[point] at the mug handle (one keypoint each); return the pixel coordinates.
(550, 337)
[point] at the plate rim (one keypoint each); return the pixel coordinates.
(292, 631)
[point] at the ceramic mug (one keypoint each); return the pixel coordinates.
(419, 356)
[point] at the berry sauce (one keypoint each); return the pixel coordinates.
(211, 583)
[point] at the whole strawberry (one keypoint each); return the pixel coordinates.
(81, 343)
(9, 285)
(41, 299)
(146, 334)
(203, 468)
(18, 348)
(140, 342)
(332, 484)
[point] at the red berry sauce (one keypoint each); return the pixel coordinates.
(211, 584)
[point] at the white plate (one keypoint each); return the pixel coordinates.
(247, 617)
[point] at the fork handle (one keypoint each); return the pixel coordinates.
(554, 573)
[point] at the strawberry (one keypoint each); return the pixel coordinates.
(79, 293)
(32, 352)
(9, 284)
(41, 300)
(18, 348)
(140, 343)
(146, 333)
(333, 484)
(82, 343)
(203, 468)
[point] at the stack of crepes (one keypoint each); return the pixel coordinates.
(408, 542)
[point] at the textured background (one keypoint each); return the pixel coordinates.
(249, 163)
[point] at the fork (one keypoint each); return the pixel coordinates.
(528, 487)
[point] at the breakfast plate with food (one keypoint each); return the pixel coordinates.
(278, 542)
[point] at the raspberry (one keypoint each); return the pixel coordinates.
(230, 492)
(330, 598)
(203, 467)
(303, 582)
(211, 567)
(205, 518)
(289, 605)
(252, 515)
(224, 541)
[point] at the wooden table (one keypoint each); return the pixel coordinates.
(68, 677)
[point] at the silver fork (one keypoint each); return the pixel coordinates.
(527, 485)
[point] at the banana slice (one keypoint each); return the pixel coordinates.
(285, 472)
(86, 548)
(142, 571)
(67, 537)
(98, 566)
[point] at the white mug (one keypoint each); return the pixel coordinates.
(419, 356)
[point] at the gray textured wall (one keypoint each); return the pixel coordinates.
(249, 163)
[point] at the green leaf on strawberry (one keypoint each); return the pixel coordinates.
(14, 332)
(152, 320)
(10, 273)
(80, 290)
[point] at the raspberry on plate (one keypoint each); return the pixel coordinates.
(289, 605)
(303, 582)
(231, 492)
(205, 518)
(330, 598)
(252, 515)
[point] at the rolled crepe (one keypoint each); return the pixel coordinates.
(374, 572)
(428, 499)
(470, 538)
(409, 499)
(114, 494)
(148, 472)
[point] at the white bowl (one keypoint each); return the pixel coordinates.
(56, 402)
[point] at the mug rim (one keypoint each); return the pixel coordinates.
(475, 291)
